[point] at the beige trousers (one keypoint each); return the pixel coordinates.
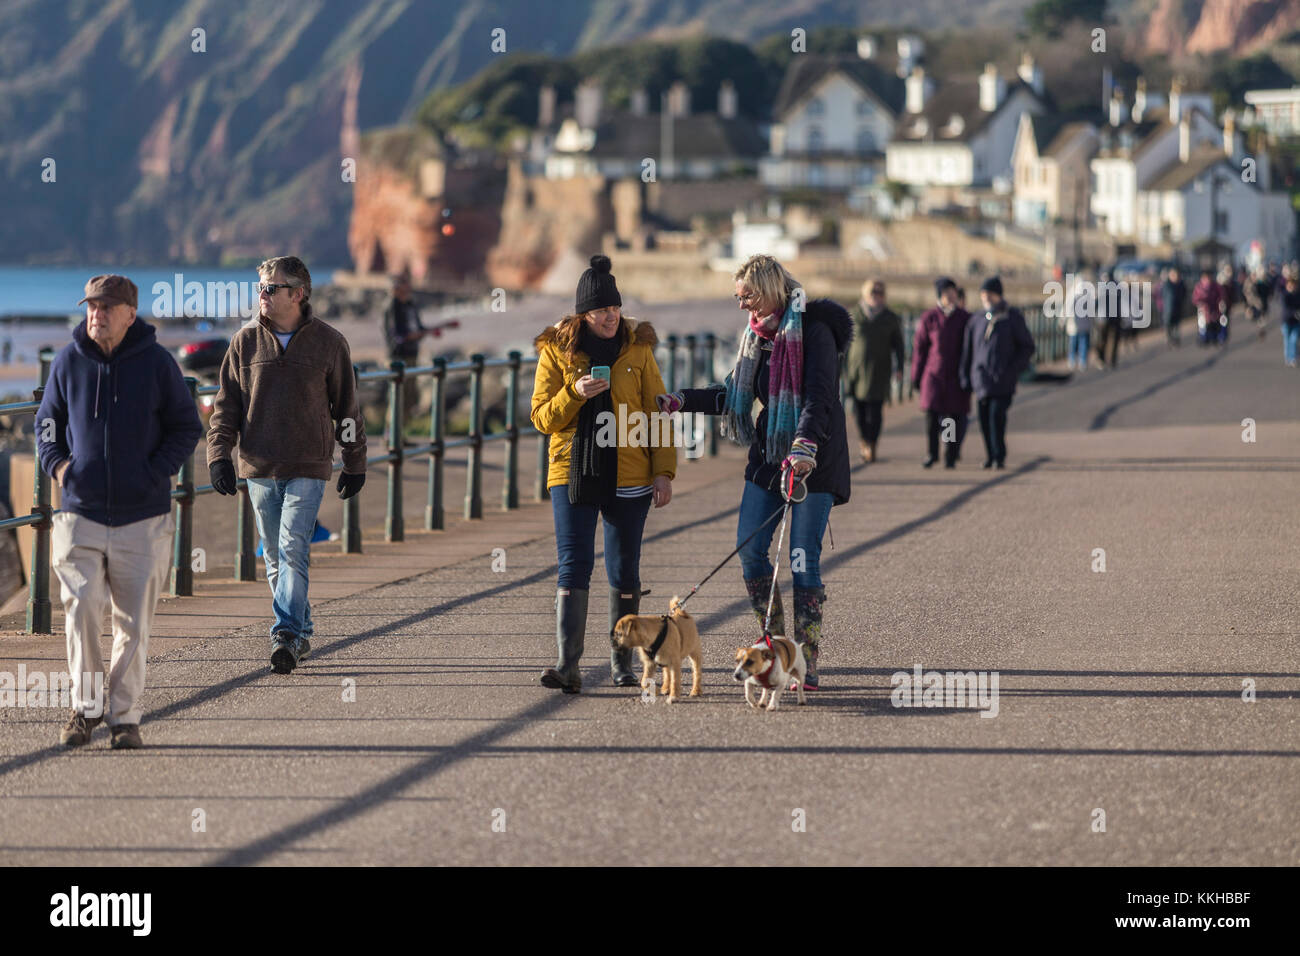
(127, 564)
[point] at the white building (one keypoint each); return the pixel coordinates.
(1050, 175)
(963, 134)
(1277, 110)
(833, 116)
(1132, 155)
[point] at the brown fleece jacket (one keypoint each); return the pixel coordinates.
(287, 406)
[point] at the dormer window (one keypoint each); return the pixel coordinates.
(863, 108)
(921, 127)
(956, 125)
(816, 107)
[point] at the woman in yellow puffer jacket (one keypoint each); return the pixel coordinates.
(601, 463)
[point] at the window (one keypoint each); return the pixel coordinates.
(814, 139)
(863, 108)
(866, 141)
(1220, 220)
(816, 107)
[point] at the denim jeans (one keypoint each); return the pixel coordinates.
(575, 544)
(286, 516)
(1290, 341)
(993, 424)
(1078, 354)
(807, 525)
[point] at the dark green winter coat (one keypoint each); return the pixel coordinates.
(876, 342)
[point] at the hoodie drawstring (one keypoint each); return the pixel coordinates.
(98, 374)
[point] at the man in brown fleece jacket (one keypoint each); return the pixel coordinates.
(287, 393)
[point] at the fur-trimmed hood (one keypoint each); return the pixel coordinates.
(636, 332)
(835, 317)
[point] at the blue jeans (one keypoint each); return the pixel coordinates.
(1290, 340)
(575, 544)
(804, 534)
(286, 516)
(1079, 349)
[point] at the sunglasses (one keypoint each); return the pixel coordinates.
(271, 288)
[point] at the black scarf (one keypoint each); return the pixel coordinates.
(593, 470)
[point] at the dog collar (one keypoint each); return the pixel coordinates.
(763, 680)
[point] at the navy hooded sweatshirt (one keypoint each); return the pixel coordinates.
(127, 423)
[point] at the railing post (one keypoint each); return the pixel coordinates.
(46, 357)
(183, 539)
(672, 363)
(38, 588)
(510, 491)
(542, 493)
(474, 469)
(433, 514)
(394, 526)
(245, 528)
(690, 383)
(711, 344)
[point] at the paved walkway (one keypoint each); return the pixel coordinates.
(1119, 692)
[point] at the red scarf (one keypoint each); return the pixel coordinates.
(765, 328)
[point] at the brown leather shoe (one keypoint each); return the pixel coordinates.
(76, 733)
(127, 737)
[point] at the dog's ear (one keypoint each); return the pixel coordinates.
(740, 653)
(767, 653)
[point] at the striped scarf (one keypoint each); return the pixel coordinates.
(785, 388)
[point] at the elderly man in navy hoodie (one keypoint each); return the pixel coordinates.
(995, 351)
(115, 424)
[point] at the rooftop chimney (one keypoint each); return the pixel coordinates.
(679, 99)
(1230, 133)
(586, 104)
(867, 47)
(910, 50)
(1118, 108)
(1184, 139)
(914, 90)
(1175, 95)
(1029, 72)
(639, 101)
(1140, 99)
(546, 106)
(727, 100)
(992, 88)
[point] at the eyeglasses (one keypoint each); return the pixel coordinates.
(878, 290)
(746, 300)
(270, 288)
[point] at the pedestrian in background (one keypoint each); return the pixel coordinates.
(591, 479)
(875, 359)
(1078, 326)
(121, 422)
(936, 357)
(1173, 303)
(287, 394)
(1208, 299)
(403, 331)
(996, 349)
(1291, 320)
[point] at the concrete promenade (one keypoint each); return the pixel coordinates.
(1119, 691)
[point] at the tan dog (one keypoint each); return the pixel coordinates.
(682, 642)
(772, 669)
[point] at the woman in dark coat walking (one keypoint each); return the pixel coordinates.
(936, 356)
(789, 362)
(877, 337)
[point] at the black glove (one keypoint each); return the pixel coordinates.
(222, 472)
(349, 485)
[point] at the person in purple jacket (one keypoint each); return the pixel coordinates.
(936, 353)
(997, 347)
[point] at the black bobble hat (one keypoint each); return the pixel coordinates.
(596, 288)
(992, 284)
(942, 284)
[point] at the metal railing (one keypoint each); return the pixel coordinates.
(687, 361)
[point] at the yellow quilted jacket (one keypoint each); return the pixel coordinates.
(634, 382)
